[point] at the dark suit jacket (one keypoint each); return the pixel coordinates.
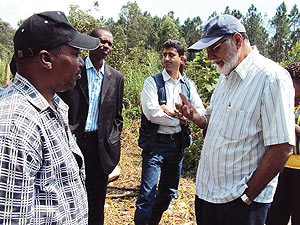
(110, 119)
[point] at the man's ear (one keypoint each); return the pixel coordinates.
(45, 59)
(182, 59)
(238, 40)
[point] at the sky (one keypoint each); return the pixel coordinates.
(12, 11)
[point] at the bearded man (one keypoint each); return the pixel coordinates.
(250, 128)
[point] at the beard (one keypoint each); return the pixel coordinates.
(230, 62)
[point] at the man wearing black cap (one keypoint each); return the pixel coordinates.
(250, 130)
(41, 167)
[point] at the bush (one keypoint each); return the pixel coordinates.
(137, 66)
(203, 73)
(294, 55)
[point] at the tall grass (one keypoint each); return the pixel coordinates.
(136, 67)
(2, 72)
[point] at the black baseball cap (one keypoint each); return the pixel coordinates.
(217, 28)
(48, 30)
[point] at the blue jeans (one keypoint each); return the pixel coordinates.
(164, 160)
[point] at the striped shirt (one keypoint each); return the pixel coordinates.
(151, 107)
(94, 85)
(250, 109)
(41, 166)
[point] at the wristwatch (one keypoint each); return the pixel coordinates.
(246, 199)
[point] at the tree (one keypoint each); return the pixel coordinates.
(191, 30)
(82, 20)
(212, 15)
(279, 44)
(169, 31)
(236, 13)
(257, 33)
(294, 55)
(152, 29)
(294, 17)
(134, 24)
(117, 55)
(6, 41)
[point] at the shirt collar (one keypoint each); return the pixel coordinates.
(89, 64)
(167, 77)
(35, 97)
(243, 68)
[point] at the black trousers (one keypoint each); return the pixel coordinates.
(96, 179)
(232, 213)
(286, 201)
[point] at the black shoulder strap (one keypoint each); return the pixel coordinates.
(161, 91)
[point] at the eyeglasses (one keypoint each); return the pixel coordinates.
(215, 48)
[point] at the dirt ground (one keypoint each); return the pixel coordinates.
(122, 193)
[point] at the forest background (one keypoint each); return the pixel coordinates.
(137, 51)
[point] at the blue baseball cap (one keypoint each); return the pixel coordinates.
(217, 28)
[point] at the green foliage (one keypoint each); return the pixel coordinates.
(117, 55)
(203, 73)
(191, 30)
(138, 40)
(279, 44)
(294, 17)
(192, 153)
(137, 66)
(82, 20)
(256, 31)
(169, 30)
(6, 41)
(137, 26)
(2, 72)
(293, 55)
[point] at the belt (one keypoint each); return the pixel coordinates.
(171, 137)
(89, 134)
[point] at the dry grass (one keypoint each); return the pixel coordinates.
(120, 210)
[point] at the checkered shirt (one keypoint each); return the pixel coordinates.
(41, 166)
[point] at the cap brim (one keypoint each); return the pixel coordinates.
(83, 41)
(203, 43)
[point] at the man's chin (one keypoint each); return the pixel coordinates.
(223, 70)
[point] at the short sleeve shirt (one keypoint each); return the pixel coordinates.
(250, 109)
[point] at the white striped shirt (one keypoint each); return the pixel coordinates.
(250, 110)
(94, 86)
(151, 107)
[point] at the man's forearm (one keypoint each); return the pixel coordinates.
(271, 164)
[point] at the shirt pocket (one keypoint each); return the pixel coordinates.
(233, 127)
